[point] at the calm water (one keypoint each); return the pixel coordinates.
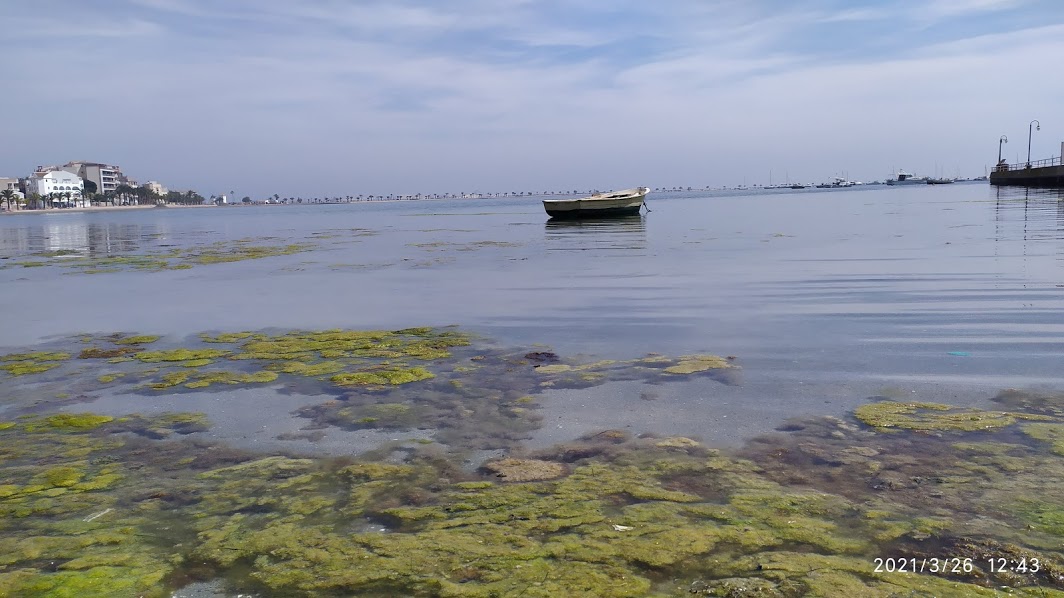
(947, 293)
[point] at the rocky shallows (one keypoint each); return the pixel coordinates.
(141, 505)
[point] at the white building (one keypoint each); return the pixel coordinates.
(7, 183)
(156, 188)
(106, 177)
(53, 185)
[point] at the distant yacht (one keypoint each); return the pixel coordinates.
(905, 178)
(838, 183)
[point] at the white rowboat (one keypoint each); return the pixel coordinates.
(614, 203)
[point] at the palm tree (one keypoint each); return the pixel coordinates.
(7, 195)
(123, 191)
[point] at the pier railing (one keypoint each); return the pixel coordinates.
(1057, 161)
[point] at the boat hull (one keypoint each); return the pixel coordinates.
(612, 205)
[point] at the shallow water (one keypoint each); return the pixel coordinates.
(944, 293)
(828, 302)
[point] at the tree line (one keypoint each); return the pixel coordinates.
(121, 195)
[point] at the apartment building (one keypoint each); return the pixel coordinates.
(12, 184)
(156, 188)
(106, 177)
(52, 183)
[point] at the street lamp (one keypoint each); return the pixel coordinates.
(1029, 140)
(1003, 139)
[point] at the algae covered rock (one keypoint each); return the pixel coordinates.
(690, 364)
(934, 416)
(525, 470)
(34, 362)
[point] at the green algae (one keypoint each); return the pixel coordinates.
(240, 252)
(690, 364)
(187, 355)
(802, 513)
(34, 362)
(171, 379)
(229, 337)
(100, 353)
(410, 343)
(525, 470)
(174, 259)
(934, 416)
(566, 368)
(137, 340)
(322, 368)
(196, 379)
(36, 356)
(195, 363)
(382, 377)
(1051, 433)
(386, 415)
(68, 422)
(24, 368)
(640, 517)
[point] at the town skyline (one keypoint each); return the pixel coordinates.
(319, 99)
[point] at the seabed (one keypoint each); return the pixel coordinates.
(104, 504)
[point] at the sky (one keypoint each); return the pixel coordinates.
(335, 97)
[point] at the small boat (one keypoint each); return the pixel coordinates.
(939, 181)
(599, 205)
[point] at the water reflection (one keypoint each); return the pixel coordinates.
(1039, 211)
(86, 238)
(629, 232)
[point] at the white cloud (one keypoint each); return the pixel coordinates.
(937, 9)
(287, 92)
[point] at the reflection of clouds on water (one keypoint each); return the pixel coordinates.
(61, 233)
(607, 233)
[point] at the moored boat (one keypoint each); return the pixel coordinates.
(904, 178)
(939, 181)
(599, 205)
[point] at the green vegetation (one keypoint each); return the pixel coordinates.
(94, 504)
(36, 362)
(173, 259)
(933, 416)
(136, 340)
(382, 377)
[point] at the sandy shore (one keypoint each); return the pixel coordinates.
(99, 209)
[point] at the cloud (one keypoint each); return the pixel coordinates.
(418, 97)
(45, 27)
(938, 9)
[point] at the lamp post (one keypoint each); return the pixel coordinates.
(1033, 122)
(1003, 139)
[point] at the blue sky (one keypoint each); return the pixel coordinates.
(330, 97)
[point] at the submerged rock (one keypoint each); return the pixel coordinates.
(525, 470)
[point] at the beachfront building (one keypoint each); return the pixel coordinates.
(59, 188)
(106, 177)
(10, 201)
(7, 183)
(156, 188)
